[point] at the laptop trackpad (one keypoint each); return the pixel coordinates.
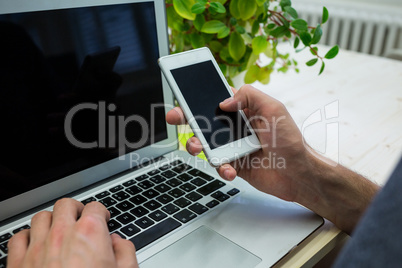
(202, 248)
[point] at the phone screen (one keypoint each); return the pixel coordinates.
(203, 90)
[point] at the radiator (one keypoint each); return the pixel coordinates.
(364, 28)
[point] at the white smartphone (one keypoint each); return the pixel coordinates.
(199, 86)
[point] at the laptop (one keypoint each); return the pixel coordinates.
(82, 108)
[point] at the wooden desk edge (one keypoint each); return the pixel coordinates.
(314, 247)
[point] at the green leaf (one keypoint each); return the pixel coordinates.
(221, 1)
(233, 21)
(322, 68)
(247, 38)
(223, 33)
(218, 7)
(317, 35)
(269, 52)
(172, 17)
(247, 8)
(299, 24)
(279, 31)
(332, 52)
(225, 56)
(183, 8)
(264, 75)
(285, 3)
(252, 60)
(203, 2)
(240, 29)
(305, 38)
(312, 62)
(215, 46)
(198, 8)
(234, 9)
(252, 74)
(271, 26)
(259, 44)
(199, 22)
(197, 40)
(255, 27)
(314, 51)
(179, 42)
(296, 43)
(260, 2)
(292, 12)
(237, 48)
(325, 15)
(213, 26)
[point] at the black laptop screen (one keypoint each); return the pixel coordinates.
(77, 88)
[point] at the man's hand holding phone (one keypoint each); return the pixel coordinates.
(280, 140)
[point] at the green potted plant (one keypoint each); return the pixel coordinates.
(239, 32)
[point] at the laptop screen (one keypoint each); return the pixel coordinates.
(77, 88)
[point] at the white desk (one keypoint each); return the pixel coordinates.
(369, 92)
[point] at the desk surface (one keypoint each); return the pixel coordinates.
(368, 91)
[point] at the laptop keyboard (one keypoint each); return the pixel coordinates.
(152, 205)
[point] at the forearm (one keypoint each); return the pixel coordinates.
(336, 193)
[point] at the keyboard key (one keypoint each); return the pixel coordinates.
(170, 209)
(151, 193)
(162, 188)
(102, 194)
(187, 187)
(130, 230)
(199, 173)
(129, 183)
(142, 177)
(144, 222)
(152, 205)
(88, 200)
(138, 199)
(153, 172)
(212, 203)
(146, 184)
(165, 167)
(108, 201)
(124, 206)
(3, 262)
(182, 202)
(233, 191)
(164, 199)
(5, 237)
(120, 196)
(26, 226)
(220, 196)
(194, 196)
(174, 182)
(116, 188)
(198, 208)
(185, 215)
(168, 174)
(125, 218)
(176, 162)
(181, 168)
(150, 235)
(4, 248)
(184, 177)
(157, 215)
(158, 179)
(113, 225)
(133, 190)
(114, 212)
(139, 211)
(198, 181)
(176, 193)
(211, 187)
